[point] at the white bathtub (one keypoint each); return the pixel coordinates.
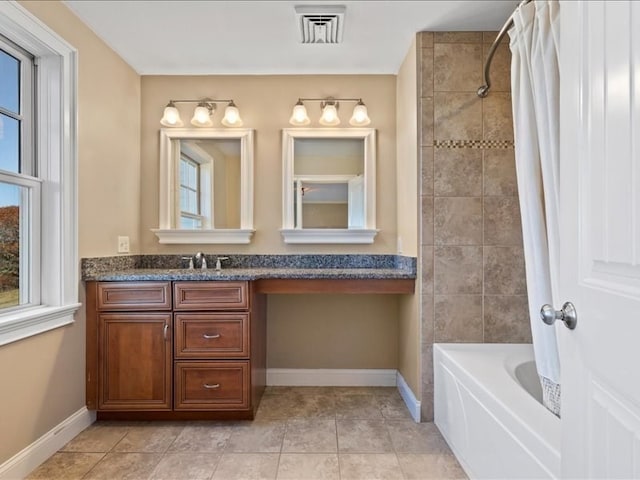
(495, 427)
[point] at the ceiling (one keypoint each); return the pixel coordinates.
(261, 37)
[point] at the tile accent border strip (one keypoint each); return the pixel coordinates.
(475, 144)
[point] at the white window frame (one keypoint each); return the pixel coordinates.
(56, 164)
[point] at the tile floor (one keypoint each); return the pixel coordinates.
(300, 433)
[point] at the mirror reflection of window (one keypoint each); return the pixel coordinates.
(327, 174)
(209, 184)
(190, 191)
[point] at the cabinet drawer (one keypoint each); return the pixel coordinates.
(211, 385)
(211, 335)
(132, 296)
(211, 295)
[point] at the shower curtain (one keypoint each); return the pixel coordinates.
(535, 86)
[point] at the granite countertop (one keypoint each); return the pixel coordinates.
(251, 267)
(140, 274)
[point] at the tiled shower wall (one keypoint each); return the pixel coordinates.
(473, 287)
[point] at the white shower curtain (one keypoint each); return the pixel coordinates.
(535, 86)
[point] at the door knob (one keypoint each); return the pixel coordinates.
(568, 315)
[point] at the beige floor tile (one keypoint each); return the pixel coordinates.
(149, 438)
(363, 436)
(358, 406)
(186, 466)
(410, 437)
(385, 391)
(66, 466)
(338, 391)
(124, 466)
(257, 437)
(97, 438)
(313, 406)
(369, 467)
(285, 390)
(430, 466)
(392, 406)
(202, 437)
(310, 435)
(308, 466)
(247, 466)
(296, 435)
(277, 406)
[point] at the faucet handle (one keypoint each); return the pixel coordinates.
(190, 262)
(219, 262)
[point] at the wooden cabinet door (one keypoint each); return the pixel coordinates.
(135, 361)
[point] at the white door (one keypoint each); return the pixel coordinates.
(600, 240)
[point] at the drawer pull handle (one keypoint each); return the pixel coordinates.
(216, 335)
(210, 386)
(164, 331)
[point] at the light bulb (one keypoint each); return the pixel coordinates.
(202, 116)
(330, 115)
(299, 116)
(360, 116)
(171, 117)
(232, 116)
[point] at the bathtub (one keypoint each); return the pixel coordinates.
(488, 408)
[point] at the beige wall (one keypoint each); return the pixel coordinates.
(474, 287)
(265, 104)
(332, 331)
(43, 376)
(407, 215)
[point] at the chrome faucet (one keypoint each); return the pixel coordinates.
(219, 262)
(203, 260)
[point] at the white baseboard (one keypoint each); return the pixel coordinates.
(30, 457)
(326, 377)
(410, 400)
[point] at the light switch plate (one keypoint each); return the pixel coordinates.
(123, 244)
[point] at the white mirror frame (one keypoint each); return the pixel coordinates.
(169, 152)
(289, 232)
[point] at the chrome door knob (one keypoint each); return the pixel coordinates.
(568, 315)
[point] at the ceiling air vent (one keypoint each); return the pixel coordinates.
(320, 23)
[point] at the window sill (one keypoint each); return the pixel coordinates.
(218, 236)
(328, 235)
(26, 323)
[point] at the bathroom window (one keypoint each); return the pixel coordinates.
(19, 186)
(38, 203)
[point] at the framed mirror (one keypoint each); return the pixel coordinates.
(206, 186)
(328, 185)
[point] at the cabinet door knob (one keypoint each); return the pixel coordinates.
(210, 386)
(164, 332)
(215, 335)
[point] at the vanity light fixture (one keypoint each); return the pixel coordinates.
(202, 113)
(329, 117)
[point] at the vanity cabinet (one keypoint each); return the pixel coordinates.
(172, 350)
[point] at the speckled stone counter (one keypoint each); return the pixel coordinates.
(250, 267)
